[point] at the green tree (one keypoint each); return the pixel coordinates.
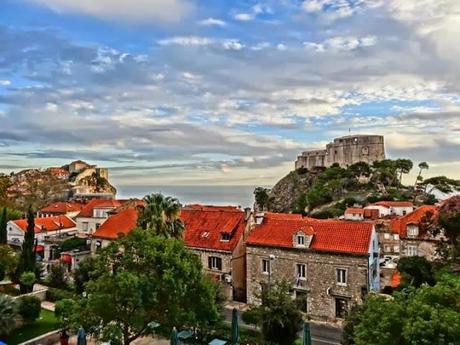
(57, 276)
(27, 260)
(360, 169)
(29, 308)
(142, 278)
(427, 315)
(261, 196)
(415, 271)
(8, 314)
(422, 166)
(279, 315)
(442, 183)
(8, 261)
(84, 273)
(3, 225)
(161, 216)
(403, 166)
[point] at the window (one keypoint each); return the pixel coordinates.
(412, 230)
(265, 266)
(85, 226)
(396, 249)
(341, 308)
(411, 250)
(341, 276)
(386, 236)
(301, 271)
(215, 263)
(404, 212)
(300, 240)
(396, 237)
(225, 236)
(386, 248)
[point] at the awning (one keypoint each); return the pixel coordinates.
(39, 248)
(217, 342)
(66, 258)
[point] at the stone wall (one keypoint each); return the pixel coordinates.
(345, 151)
(320, 286)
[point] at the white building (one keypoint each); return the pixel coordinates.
(391, 208)
(94, 214)
(45, 227)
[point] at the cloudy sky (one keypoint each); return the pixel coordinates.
(224, 91)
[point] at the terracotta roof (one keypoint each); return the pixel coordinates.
(328, 235)
(120, 223)
(393, 204)
(87, 211)
(354, 210)
(399, 225)
(204, 226)
(395, 279)
(44, 224)
(62, 207)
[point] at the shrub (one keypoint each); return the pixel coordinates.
(63, 311)
(9, 290)
(29, 308)
(27, 281)
(54, 295)
(249, 317)
(8, 313)
(57, 277)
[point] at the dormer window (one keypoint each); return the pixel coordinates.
(225, 236)
(412, 230)
(301, 240)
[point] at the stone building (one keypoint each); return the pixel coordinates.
(214, 233)
(345, 151)
(330, 265)
(414, 231)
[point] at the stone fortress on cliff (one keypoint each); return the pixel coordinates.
(345, 151)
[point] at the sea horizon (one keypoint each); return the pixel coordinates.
(236, 195)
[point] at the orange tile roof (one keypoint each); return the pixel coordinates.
(205, 225)
(395, 279)
(393, 204)
(328, 235)
(120, 223)
(62, 207)
(87, 211)
(44, 224)
(399, 225)
(354, 210)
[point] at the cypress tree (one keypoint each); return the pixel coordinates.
(27, 259)
(3, 223)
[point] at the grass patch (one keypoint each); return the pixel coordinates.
(47, 322)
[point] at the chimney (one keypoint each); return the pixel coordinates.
(247, 213)
(259, 217)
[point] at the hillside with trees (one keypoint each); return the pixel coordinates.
(327, 192)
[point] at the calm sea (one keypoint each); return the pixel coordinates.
(210, 195)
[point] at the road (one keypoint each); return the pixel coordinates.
(322, 334)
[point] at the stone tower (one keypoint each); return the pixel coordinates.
(345, 151)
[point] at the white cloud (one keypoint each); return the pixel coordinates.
(232, 44)
(5, 82)
(186, 41)
(244, 17)
(261, 45)
(125, 10)
(212, 22)
(281, 46)
(342, 43)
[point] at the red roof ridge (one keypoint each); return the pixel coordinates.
(53, 223)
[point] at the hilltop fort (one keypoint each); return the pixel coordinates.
(345, 151)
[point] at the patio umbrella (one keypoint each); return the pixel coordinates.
(174, 340)
(234, 326)
(306, 334)
(81, 337)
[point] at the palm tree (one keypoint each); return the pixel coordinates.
(8, 314)
(161, 215)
